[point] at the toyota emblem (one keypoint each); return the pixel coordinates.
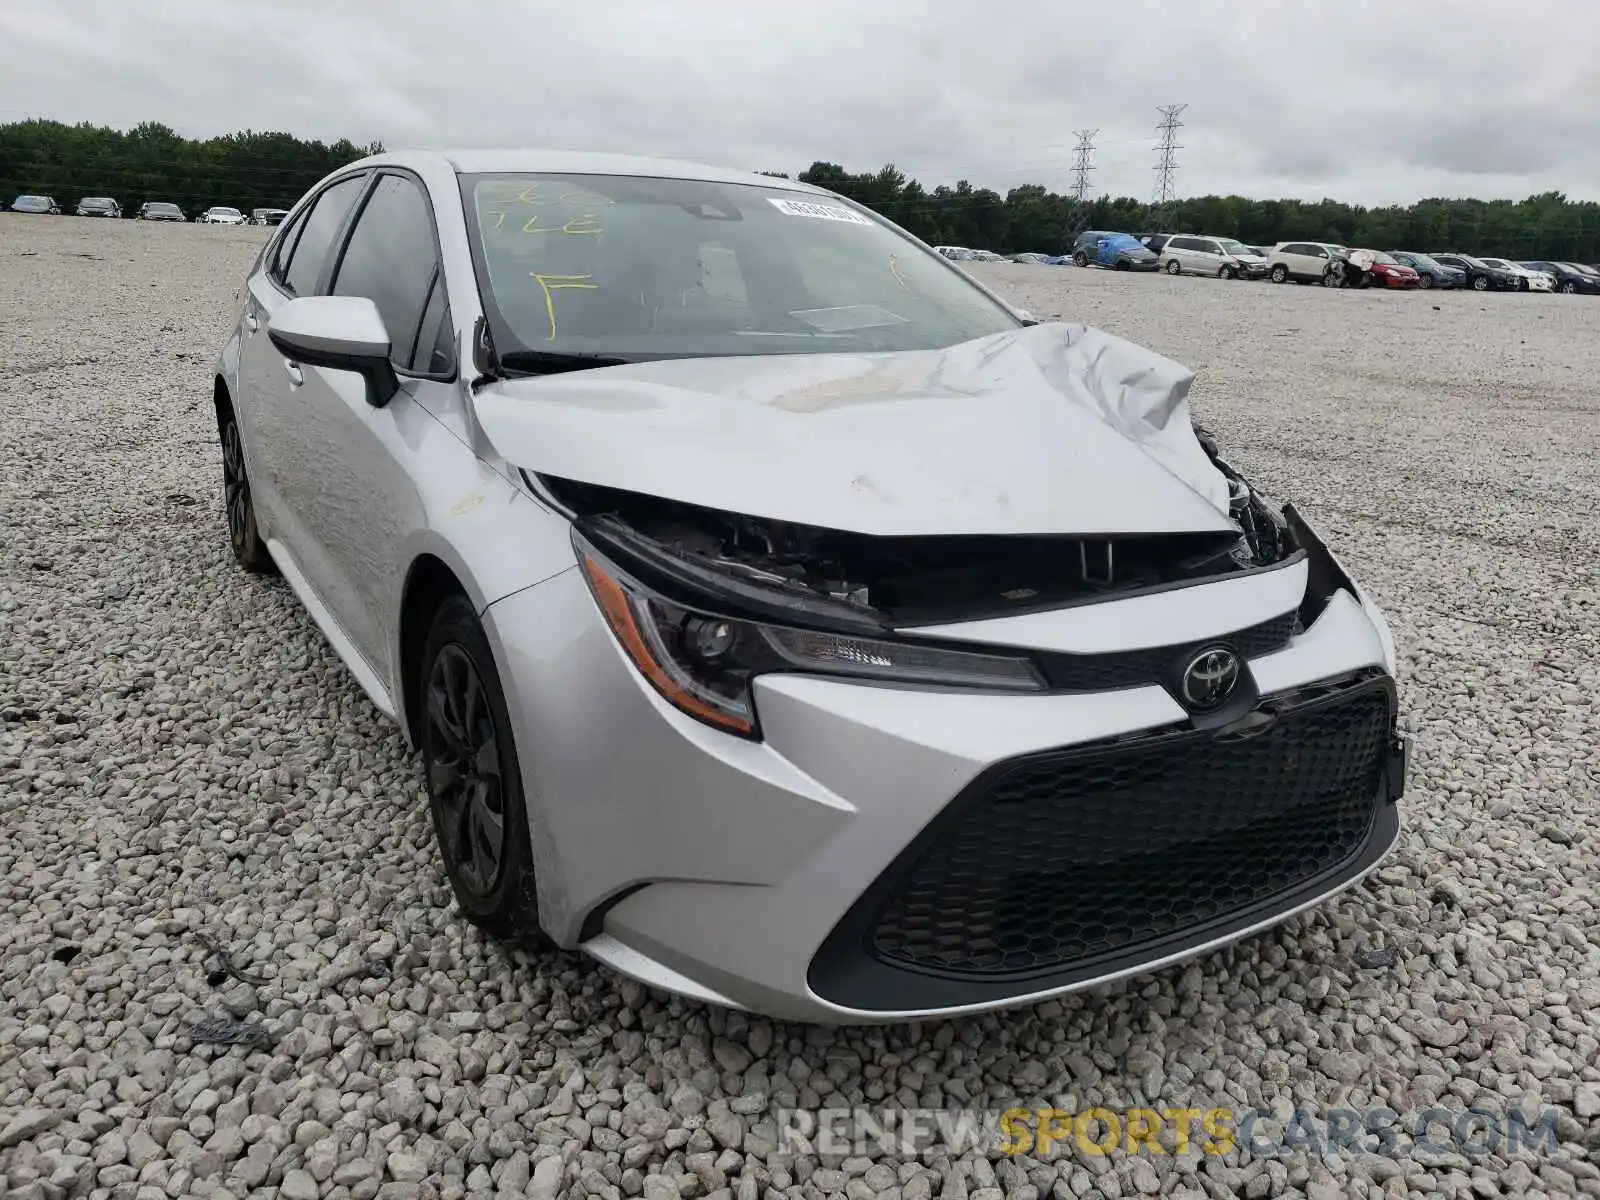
(1210, 677)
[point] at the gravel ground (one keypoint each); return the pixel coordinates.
(186, 769)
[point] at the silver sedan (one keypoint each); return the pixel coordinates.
(782, 618)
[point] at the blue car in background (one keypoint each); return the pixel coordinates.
(1430, 273)
(1114, 251)
(1570, 278)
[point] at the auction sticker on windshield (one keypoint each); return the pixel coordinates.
(827, 212)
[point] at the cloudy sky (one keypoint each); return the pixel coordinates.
(1372, 101)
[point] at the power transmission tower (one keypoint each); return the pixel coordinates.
(1080, 164)
(1167, 163)
(1080, 182)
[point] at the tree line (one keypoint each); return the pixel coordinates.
(153, 162)
(1031, 218)
(272, 170)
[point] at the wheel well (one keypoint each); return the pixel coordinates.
(428, 585)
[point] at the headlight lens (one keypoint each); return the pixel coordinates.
(704, 663)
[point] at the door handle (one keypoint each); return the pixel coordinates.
(250, 322)
(295, 377)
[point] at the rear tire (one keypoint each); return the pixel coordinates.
(1480, 283)
(469, 758)
(239, 507)
(1279, 274)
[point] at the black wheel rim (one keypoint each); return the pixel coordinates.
(464, 770)
(235, 485)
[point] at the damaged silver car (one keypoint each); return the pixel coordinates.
(782, 618)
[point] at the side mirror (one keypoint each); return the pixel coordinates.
(339, 333)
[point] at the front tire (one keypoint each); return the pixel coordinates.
(1081, 259)
(238, 504)
(1173, 268)
(1424, 281)
(1568, 288)
(469, 759)
(1280, 274)
(1480, 283)
(1227, 273)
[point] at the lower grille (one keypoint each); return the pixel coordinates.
(1063, 858)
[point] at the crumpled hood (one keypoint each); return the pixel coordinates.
(1047, 429)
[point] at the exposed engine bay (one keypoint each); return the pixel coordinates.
(910, 580)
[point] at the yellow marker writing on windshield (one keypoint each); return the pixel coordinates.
(588, 223)
(894, 269)
(551, 284)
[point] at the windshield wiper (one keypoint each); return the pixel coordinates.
(552, 362)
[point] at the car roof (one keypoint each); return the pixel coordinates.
(573, 162)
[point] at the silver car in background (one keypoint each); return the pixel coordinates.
(1225, 258)
(782, 618)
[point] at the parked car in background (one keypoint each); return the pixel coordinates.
(1033, 259)
(219, 214)
(1569, 277)
(1361, 268)
(1186, 254)
(267, 216)
(160, 210)
(41, 206)
(98, 206)
(1304, 262)
(1060, 698)
(1430, 273)
(1113, 251)
(1527, 281)
(1263, 251)
(1480, 276)
(1153, 242)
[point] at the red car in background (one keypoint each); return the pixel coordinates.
(1380, 270)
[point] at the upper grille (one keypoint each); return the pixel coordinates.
(1137, 668)
(1063, 858)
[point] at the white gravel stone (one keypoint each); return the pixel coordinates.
(182, 756)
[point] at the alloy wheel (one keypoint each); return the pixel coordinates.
(464, 771)
(235, 486)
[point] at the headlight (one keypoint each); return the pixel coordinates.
(704, 663)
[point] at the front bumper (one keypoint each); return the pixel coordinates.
(1141, 265)
(789, 876)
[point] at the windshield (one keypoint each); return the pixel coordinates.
(158, 206)
(96, 202)
(1580, 268)
(1380, 257)
(226, 212)
(1229, 246)
(21, 200)
(1497, 262)
(635, 267)
(1121, 241)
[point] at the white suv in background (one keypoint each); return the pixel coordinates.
(1183, 254)
(1303, 262)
